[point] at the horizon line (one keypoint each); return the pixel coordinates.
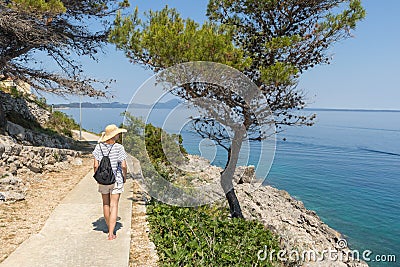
(355, 109)
(306, 108)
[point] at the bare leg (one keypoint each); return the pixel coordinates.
(106, 207)
(113, 214)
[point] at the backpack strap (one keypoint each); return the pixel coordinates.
(108, 151)
(101, 150)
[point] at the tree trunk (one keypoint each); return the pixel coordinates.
(234, 205)
(228, 172)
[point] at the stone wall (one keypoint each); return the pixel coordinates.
(19, 162)
(28, 137)
(27, 109)
(17, 158)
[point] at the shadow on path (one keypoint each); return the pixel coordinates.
(100, 225)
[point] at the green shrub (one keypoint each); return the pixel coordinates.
(147, 143)
(62, 123)
(14, 92)
(156, 138)
(205, 236)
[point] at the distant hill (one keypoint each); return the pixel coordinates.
(91, 105)
(168, 105)
(161, 105)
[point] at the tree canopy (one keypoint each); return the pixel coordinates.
(272, 42)
(284, 39)
(58, 31)
(166, 39)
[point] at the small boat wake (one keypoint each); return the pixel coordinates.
(380, 152)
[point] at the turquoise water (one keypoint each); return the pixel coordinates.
(346, 168)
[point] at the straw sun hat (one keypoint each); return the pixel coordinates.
(110, 131)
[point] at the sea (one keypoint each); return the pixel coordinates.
(346, 168)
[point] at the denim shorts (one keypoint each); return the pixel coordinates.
(111, 189)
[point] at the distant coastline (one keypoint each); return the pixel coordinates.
(174, 102)
(161, 105)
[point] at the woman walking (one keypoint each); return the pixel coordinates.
(111, 193)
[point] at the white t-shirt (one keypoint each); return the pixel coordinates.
(117, 155)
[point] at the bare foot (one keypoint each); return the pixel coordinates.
(110, 237)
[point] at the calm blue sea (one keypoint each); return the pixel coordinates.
(346, 168)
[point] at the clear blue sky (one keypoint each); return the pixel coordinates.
(365, 70)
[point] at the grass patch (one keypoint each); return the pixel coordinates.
(205, 236)
(62, 123)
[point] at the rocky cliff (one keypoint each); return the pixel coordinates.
(25, 107)
(24, 120)
(300, 230)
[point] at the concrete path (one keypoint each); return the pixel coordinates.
(75, 233)
(85, 136)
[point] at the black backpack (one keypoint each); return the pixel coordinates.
(104, 173)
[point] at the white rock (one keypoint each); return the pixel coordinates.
(77, 162)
